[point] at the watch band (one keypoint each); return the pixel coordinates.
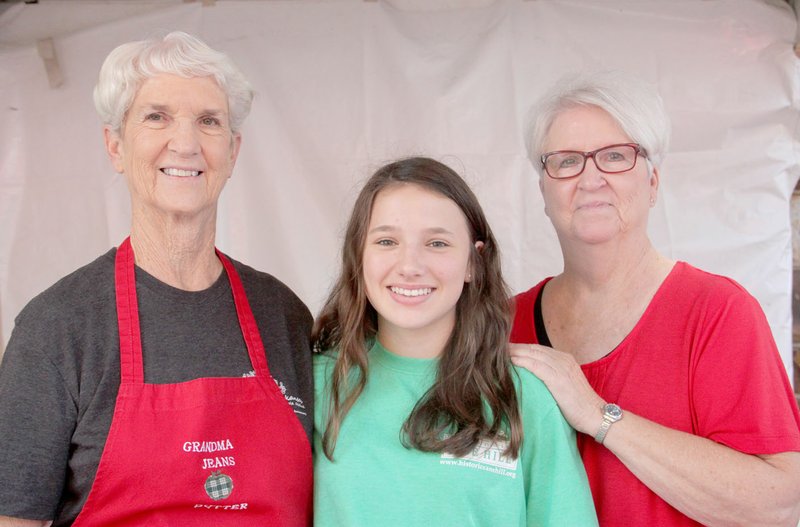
(600, 436)
(611, 414)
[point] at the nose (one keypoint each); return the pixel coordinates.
(591, 177)
(184, 140)
(410, 263)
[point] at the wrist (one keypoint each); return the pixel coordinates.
(611, 414)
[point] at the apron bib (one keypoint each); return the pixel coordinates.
(211, 451)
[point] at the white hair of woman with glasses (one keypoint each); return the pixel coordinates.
(670, 374)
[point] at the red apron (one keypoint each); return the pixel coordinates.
(212, 451)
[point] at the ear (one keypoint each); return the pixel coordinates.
(478, 248)
(114, 149)
(236, 141)
(541, 189)
(654, 180)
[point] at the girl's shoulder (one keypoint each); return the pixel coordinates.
(326, 356)
(533, 394)
(324, 360)
(323, 364)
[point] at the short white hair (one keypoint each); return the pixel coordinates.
(178, 53)
(634, 104)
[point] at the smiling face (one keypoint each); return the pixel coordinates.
(175, 148)
(595, 207)
(415, 262)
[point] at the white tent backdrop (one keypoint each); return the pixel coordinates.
(344, 86)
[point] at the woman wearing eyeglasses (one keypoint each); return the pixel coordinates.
(670, 374)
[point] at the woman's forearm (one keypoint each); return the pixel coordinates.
(707, 481)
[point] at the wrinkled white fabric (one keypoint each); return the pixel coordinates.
(344, 86)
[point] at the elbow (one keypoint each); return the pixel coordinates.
(790, 516)
(784, 511)
(762, 515)
(769, 497)
(8, 521)
(761, 518)
(783, 516)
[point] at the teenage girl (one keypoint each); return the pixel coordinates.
(421, 419)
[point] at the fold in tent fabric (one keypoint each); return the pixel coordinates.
(345, 86)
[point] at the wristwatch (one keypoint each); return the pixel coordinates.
(611, 414)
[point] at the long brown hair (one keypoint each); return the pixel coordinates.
(473, 396)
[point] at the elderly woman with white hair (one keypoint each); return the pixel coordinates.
(163, 383)
(670, 374)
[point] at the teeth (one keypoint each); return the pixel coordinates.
(411, 292)
(180, 173)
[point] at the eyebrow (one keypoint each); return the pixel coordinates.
(392, 228)
(165, 108)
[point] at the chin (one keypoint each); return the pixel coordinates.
(595, 236)
(184, 208)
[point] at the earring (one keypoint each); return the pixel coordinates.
(652, 202)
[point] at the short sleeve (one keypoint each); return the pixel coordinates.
(741, 395)
(37, 417)
(556, 487)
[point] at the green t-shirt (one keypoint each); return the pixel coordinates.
(375, 481)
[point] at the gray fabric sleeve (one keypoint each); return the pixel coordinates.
(39, 415)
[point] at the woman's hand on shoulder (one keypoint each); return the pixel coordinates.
(578, 402)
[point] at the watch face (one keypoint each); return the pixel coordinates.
(613, 411)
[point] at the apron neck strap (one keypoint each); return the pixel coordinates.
(252, 336)
(130, 335)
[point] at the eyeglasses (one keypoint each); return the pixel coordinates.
(611, 159)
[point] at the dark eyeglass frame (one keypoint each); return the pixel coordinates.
(640, 151)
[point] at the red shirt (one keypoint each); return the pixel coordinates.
(701, 360)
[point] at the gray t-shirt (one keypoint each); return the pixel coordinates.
(60, 373)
